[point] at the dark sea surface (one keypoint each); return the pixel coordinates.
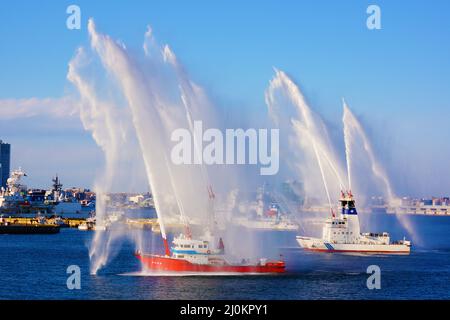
(34, 267)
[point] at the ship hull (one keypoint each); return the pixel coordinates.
(164, 263)
(318, 245)
(28, 229)
(267, 225)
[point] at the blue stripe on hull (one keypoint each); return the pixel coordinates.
(185, 251)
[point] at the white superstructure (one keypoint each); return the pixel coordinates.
(195, 251)
(13, 195)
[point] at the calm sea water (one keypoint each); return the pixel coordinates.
(34, 267)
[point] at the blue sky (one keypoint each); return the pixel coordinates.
(396, 79)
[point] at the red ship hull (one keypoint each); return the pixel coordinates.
(165, 263)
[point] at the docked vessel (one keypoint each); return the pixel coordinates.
(17, 198)
(270, 220)
(91, 223)
(39, 227)
(266, 218)
(342, 234)
(84, 226)
(267, 224)
(63, 204)
(13, 199)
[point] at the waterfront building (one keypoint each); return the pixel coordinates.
(5, 159)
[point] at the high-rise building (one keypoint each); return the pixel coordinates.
(5, 159)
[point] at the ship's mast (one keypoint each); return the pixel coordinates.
(57, 187)
(198, 154)
(316, 152)
(179, 203)
(186, 87)
(347, 148)
(184, 218)
(260, 200)
(211, 215)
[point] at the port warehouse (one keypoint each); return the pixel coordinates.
(408, 205)
(40, 200)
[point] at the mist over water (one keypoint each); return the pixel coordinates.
(110, 127)
(305, 144)
(310, 153)
(361, 157)
(366, 175)
(131, 102)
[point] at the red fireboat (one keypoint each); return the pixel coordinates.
(190, 255)
(197, 256)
